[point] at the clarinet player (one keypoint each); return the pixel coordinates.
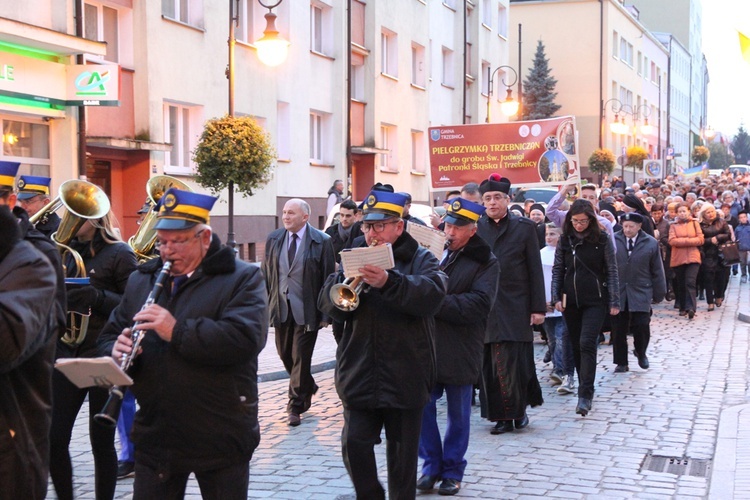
(196, 355)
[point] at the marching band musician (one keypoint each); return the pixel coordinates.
(108, 263)
(196, 370)
(386, 361)
(33, 195)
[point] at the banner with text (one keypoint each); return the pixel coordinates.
(529, 153)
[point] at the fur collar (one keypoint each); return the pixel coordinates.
(218, 260)
(405, 247)
(477, 250)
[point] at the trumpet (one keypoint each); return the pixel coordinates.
(111, 411)
(345, 296)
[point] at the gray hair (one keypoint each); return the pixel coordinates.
(304, 206)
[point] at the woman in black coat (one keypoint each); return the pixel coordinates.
(108, 262)
(585, 287)
(713, 275)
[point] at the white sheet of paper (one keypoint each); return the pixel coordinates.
(354, 258)
(432, 239)
(90, 372)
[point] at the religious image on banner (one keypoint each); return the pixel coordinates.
(529, 153)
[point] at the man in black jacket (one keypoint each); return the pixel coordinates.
(386, 361)
(27, 351)
(472, 272)
(196, 373)
(340, 232)
(298, 260)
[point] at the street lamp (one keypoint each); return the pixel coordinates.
(618, 126)
(509, 106)
(270, 52)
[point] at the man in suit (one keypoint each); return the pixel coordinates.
(298, 260)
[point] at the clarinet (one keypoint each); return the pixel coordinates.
(111, 411)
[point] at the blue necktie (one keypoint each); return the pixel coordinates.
(177, 282)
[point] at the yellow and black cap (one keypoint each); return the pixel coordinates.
(462, 212)
(382, 205)
(33, 185)
(8, 171)
(183, 209)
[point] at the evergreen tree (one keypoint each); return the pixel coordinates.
(720, 158)
(741, 146)
(539, 88)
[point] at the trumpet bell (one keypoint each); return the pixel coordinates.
(345, 296)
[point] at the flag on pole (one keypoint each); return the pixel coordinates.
(745, 46)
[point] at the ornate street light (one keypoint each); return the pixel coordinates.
(509, 106)
(618, 126)
(272, 47)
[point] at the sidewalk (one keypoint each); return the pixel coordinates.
(271, 368)
(678, 430)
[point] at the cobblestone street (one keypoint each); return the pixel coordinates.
(691, 404)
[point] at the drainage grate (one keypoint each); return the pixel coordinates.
(680, 466)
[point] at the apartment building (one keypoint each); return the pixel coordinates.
(609, 68)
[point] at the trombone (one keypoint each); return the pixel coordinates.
(82, 201)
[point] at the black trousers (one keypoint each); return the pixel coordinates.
(229, 483)
(295, 347)
(685, 286)
(637, 323)
(359, 436)
(584, 324)
(66, 403)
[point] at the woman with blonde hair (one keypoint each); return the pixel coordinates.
(108, 263)
(685, 239)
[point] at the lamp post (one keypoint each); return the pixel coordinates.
(272, 50)
(509, 106)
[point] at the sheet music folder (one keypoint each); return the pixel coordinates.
(353, 258)
(91, 372)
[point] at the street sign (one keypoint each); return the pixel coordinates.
(670, 153)
(622, 160)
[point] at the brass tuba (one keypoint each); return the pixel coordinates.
(142, 242)
(82, 201)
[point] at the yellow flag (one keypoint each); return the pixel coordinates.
(745, 46)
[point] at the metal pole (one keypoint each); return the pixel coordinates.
(463, 75)
(349, 97)
(520, 76)
(81, 109)
(231, 243)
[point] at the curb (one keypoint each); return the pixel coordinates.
(281, 375)
(729, 462)
(743, 317)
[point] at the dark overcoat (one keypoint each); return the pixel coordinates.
(198, 394)
(641, 273)
(521, 284)
(387, 358)
(462, 319)
(319, 263)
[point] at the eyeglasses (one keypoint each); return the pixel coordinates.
(378, 227)
(579, 222)
(29, 201)
(177, 244)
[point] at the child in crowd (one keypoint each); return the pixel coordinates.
(563, 364)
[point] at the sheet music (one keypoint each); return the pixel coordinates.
(432, 239)
(354, 258)
(90, 372)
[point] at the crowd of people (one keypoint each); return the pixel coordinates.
(432, 325)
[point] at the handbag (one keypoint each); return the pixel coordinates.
(729, 253)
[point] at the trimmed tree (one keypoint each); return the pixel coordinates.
(602, 161)
(700, 155)
(235, 153)
(635, 156)
(539, 88)
(741, 146)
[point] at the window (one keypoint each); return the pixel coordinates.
(653, 71)
(251, 22)
(388, 141)
(646, 68)
(626, 52)
(502, 21)
(283, 131)
(487, 13)
(640, 62)
(417, 65)
(321, 28)
(615, 50)
(185, 11)
(181, 125)
(451, 4)
(447, 78)
(100, 23)
(358, 82)
(320, 133)
(28, 143)
(389, 53)
(417, 152)
(485, 77)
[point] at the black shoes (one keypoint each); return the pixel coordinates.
(125, 469)
(547, 356)
(449, 487)
(521, 423)
(642, 360)
(294, 420)
(502, 427)
(691, 314)
(621, 368)
(426, 483)
(584, 407)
